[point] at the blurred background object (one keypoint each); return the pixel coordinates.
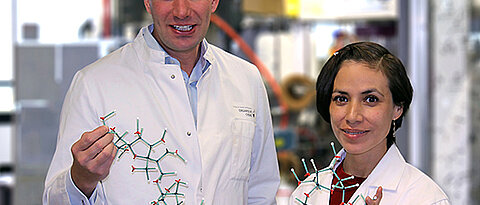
(45, 42)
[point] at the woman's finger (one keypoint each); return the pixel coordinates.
(376, 199)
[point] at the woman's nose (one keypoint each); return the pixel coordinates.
(354, 113)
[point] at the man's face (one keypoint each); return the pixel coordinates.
(180, 25)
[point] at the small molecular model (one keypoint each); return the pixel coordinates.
(124, 146)
(318, 186)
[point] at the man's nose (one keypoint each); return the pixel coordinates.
(181, 9)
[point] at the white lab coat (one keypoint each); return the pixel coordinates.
(401, 182)
(231, 156)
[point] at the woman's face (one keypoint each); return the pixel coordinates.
(362, 109)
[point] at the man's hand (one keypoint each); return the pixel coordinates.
(376, 199)
(93, 154)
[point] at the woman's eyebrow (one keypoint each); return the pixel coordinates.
(372, 90)
(340, 92)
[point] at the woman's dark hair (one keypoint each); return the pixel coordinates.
(376, 57)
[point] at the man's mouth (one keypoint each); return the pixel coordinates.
(185, 28)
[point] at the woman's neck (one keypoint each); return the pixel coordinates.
(361, 165)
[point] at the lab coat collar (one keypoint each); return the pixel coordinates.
(387, 173)
(148, 48)
(208, 54)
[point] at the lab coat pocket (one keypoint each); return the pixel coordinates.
(242, 134)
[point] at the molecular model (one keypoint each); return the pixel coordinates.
(124, 146)
(318, 186)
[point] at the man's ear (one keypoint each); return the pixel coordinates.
(147, 5)
(214, 5)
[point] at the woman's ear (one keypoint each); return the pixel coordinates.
(397, 111)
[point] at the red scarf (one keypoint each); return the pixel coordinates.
(336, 196)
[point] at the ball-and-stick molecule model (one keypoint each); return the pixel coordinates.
(125, 144)
(317, 186)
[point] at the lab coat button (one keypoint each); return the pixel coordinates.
(201, 189)
(189, 133)
(172, 76)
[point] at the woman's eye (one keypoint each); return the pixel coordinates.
(340, 99)
(371, 99)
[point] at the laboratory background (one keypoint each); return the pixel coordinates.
(43, 44)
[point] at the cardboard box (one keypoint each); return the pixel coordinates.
(325, 9)
(272, 7)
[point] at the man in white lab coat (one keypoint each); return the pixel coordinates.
(191, 125)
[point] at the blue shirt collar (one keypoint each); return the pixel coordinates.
(152, 43)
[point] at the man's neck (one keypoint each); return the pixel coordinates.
(187, 59)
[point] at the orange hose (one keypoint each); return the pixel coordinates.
(257, 62)
(106, 19)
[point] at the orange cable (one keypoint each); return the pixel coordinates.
(106, 19)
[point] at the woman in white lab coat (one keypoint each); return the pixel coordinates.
(364, 92)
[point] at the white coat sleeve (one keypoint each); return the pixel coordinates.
(77, 116)
(264, 174)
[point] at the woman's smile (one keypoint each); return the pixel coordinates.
(354, 133)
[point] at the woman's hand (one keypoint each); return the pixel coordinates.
(376, 199)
